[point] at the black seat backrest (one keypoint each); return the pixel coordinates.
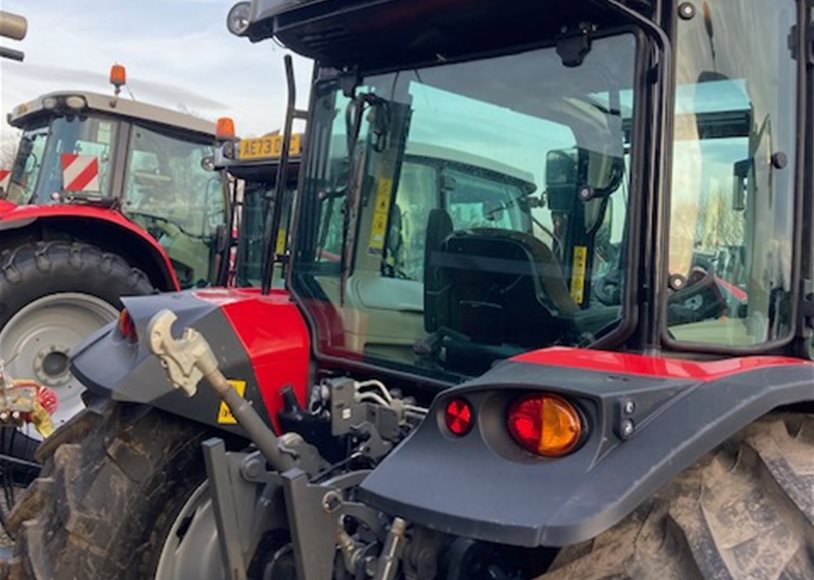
(496, 287)
(436, 285)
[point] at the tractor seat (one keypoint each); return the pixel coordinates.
(494, 287)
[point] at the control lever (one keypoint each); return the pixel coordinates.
(188, 360)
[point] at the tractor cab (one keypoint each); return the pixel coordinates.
(252, 166)
(462, 209)
(109, 153)
(477, 194)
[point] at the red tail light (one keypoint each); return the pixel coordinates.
(545, 424)
(459, 417)
(126, 326)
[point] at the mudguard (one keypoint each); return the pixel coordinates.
(261, 342)
(19, 216)
(485, 487)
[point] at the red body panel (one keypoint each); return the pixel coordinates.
(24, 214)
(635, 364)
(275, 337)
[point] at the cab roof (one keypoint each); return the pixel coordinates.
(118, 107)
(371, 35)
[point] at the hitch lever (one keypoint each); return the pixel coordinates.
(188, 360)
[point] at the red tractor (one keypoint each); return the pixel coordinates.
(107, 197)
(547, 313)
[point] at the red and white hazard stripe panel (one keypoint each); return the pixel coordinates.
(80, 172)
(5, 179)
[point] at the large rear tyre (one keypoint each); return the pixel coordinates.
(745, 511)
(52, 295)
(115, 480)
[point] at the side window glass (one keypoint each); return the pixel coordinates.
(332, 192)
(170, 193)
(87, 136)
(404, 255)
(27, 165)
(733, 175)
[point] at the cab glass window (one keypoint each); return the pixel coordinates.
(449, 222)
(38, 171)
(730, 243)
(27, 166)
(169, 191)
(256, 210)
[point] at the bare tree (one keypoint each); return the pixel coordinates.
(8, 151)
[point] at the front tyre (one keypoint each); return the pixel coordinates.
(115, 480)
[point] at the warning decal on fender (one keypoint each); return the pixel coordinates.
(225, 416)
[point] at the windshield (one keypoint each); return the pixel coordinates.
(733, 175)
(459, 214)
(41, 168)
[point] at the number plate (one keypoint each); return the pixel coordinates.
(267, 147)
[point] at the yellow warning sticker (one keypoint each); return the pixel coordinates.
(225, 416)
(381, 210)
(578, 274)
(281, 242)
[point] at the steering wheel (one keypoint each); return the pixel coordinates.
(701, 298)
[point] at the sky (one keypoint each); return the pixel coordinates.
(178, 54)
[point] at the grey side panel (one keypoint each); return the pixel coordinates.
(107, 363)
(483, 486)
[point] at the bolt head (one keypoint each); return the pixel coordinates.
(629, 407)
(627, 429)
(686, 10)
(331, 502)
(586, 193)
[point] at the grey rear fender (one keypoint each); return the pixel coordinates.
(484, 486)
(110, 364)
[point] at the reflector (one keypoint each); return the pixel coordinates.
(459, 417)
(126, 326)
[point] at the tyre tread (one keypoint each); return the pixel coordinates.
(744, 511)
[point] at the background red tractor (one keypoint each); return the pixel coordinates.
(107, 197)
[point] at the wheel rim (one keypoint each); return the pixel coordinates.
(37, 342)
(191, 550)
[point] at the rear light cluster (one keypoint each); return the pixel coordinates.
(542, 423)
(545, 425)
(126, 326)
